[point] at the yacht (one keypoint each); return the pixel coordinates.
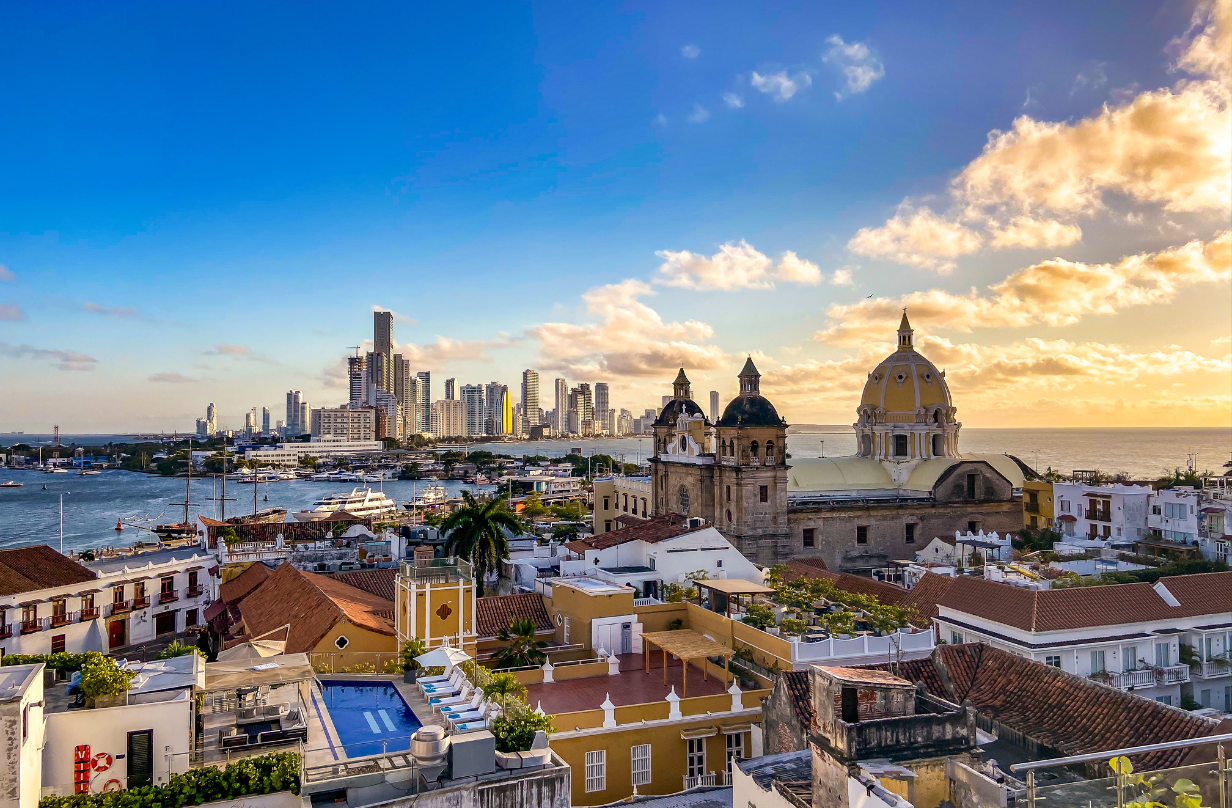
(431, 496)
(88, 472)
(360, 502)
(56, 470)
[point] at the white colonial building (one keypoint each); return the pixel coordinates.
(1166, 641)
(1102, 515)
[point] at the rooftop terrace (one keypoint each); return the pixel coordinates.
(632, 686)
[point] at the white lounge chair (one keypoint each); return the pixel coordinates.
(440, 677)
(466, 722)
(463, 696)
(463, 707)
(451, 683)
(475, 724)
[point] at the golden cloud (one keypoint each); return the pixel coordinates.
(737, 265)
(919, 238)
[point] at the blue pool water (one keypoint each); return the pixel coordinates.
(369, 718)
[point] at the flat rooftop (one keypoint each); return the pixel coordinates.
(632, 686)
(137, 561)
(592, 586)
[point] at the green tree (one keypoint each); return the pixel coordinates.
(309, 462)
(515, 730)
(533, 507)
(101, 676)
(176, 649)
(412, 648)
(411, 471)
(759, 616)
(342, 463)
(390, 443)
(521, 647)
(503, 685)
(571, 511)
(476, 532)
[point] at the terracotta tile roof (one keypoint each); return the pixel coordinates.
(1088, 606)
(27, 569)
(888, 594)
(799, 686)
(377, 582)
(495, 613)
(925, 595)
(658, 529)
(1066, 712)
(242, 585)
(313, 604)
(798, 568)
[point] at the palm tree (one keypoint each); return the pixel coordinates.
(521, 647)
(476, 533)
(502, 686)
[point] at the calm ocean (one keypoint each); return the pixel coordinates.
(93, 504)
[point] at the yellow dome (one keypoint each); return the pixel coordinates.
(905, 381)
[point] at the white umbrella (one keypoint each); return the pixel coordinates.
(442, 657)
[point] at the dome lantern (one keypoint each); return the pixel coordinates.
(680, 387)
(904, 334)
(750, 379)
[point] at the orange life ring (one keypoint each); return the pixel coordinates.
(113, 785)
(102, 762)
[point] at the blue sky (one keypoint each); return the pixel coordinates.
(175, 179)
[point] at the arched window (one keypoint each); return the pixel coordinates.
(684, 443)
(866, 446)
(753, 451)
(938, 445)
(769, 452)
(900, 446)
(938, 417)
(723, 449)
(729, 494)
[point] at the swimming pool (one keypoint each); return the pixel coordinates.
(369, 718)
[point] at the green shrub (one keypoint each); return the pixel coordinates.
(101, 676)
(759, 616)
(177, 649)
(251, 776)
(515, 730)
(60, 661)
(412, 648)
(793, 626)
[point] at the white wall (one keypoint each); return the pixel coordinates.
(20, 772)
(106, 730)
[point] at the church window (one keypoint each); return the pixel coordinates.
(753, 450)
(910, 537)
(626, 503)
(900, 445)
(607, 505)
(728, 493)
(861, 534)
(764, 493)
(723, 448)
(769, 452)
(938, 445)
(684, 500)
(971, 486)
(684, 443)
(810, 537)
(729, 514)
(973, 527)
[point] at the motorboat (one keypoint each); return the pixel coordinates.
(175, 531)
(56, 470)
(430, 497)
(88, 472)
(361, 502)
(11, 484)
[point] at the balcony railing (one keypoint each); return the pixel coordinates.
(193, 592)
(1031, 507)
(699, 780)
(64, 619)
(90, 613)
(6, 631)
(1214, 668)
(168, 596)
(31, 626)
(1148, 677)
(141, 602)
(121, 606)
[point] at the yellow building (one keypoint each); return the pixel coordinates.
(620, 500)
(1037, 512)
(435, 601)
(335, 624)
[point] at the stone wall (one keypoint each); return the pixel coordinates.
(781, 724)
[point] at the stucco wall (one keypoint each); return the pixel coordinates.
(20, 783)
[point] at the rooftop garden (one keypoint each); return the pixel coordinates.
(816, 607)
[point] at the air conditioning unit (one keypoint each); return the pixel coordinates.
(695, 522)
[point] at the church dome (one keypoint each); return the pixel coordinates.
(905, 381)
(750, 408)
(680, 403)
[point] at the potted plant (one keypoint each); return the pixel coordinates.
(410, 649)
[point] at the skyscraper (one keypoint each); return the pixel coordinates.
(562, 406)
(383, 343)
(295, 399)
(451, 389)
(410, 409)
(530, 401)
(265, 421)
(585, 409)
(379, 374)
(601, 407)
(714, 406)
(250, 422)
(211, 419)
(305, 418)
(357, 367)
(472, 399)
(423, 391)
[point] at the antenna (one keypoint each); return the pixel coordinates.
(355, 348)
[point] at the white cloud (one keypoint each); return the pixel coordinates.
(63, 360)
(399, 317)
(699, 114)
(690, 51)
(443, 350)
(1224, 340)
(917, 237)
(109, 311)
(859, 65)
(661, 119)
(1023, 231)
(1092, 77)
(779, 85)
(171, 378)
(630, 339)
(6, 274)
(11, 313)
(737, 265)
(1055, 292)
(842, 277)
(1207, 46)
(733, 101)
(229, 349)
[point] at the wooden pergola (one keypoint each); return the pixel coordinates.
(732, 589)
(684, 645)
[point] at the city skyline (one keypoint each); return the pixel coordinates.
(769, 183)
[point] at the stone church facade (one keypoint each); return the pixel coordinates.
(907, 485)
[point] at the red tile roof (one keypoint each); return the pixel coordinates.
(658, 529)
(1089, 606)
(242, 585)
(1066, 712)
(925, 594)
(28, 569)
(495, 613)
(377, 582)
(799, 685)
(312, 604)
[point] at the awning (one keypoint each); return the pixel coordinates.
(30, 603)
(275, 670)
(734, 586)
(214, 609)
(1067, 517)
(1210, 509)
(194, 569)
(700, 732)
(214, 570)
(736, 729)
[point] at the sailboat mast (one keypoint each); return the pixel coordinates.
(188, 482)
